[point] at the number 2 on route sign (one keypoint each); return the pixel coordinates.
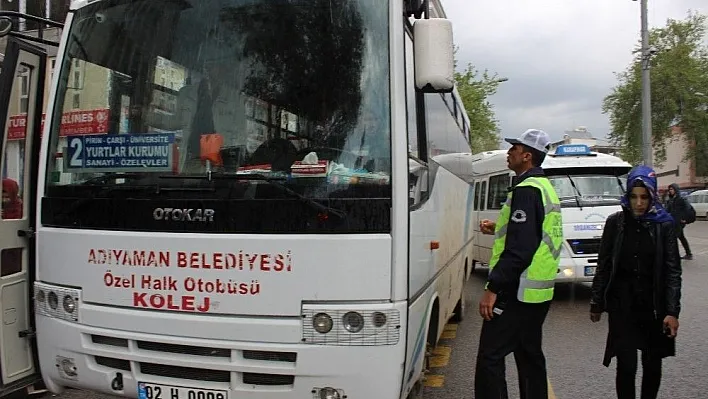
(75, 150)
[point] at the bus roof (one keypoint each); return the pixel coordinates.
(436, 8)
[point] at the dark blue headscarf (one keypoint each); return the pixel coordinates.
(656, 212)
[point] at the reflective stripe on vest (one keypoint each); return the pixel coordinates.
(537, 281)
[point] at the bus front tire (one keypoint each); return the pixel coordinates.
(460, 308)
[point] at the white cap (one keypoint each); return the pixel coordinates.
(534, 138)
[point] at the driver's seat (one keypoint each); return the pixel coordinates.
(278, 152)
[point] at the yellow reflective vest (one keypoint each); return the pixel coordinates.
(537, 281)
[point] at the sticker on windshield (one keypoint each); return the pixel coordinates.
(120, 153)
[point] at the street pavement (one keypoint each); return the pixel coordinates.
(573, 345)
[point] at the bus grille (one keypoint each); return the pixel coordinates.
(187, 373)
(268, 379)
(587, 246)
(235, 357)
(110, 362)
(289, 357)
(110, 341)
(184, 349)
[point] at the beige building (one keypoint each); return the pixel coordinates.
(85, 109)
(675, 169)
(581, 135)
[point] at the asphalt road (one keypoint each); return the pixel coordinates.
(573, 345)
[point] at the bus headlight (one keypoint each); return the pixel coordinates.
(322, 323)
(350, 325)
(69, 304)
(379, 319)
(57, 302)
(353, 322)
(53, 300)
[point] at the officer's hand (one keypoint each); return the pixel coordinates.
(595, 317)
(486, 226)
(486, 305)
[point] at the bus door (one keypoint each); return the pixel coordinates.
(483, 242)
(475, 223)
(21, 96)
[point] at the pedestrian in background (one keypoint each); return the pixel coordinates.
(522, 270)
(678, 207)
(11, 202)
(638, 283)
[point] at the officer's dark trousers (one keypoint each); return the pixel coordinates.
(518, 330)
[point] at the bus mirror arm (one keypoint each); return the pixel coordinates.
(9, 29)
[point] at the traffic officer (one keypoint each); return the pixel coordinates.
(525, 257)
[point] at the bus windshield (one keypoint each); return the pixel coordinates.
(587, 189)
(251, 100)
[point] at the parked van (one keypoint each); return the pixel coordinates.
(699, 200)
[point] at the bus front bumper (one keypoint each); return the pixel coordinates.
(116, 362)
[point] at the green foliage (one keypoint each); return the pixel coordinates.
(679, 93)
(475, 91)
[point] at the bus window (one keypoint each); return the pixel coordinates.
(476, 196)
(165, 93)
(498, 186)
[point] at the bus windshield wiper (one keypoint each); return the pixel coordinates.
(105, 190)
(577, 192)
(619, 181)
(106, 177)
(274, 181)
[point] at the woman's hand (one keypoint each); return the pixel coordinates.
(671, 325)
(595, 317)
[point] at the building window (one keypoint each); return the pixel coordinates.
(77, 101)
(24, 91)
(53, 65)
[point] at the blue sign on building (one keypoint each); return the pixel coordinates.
(120, 153)
(573, 149)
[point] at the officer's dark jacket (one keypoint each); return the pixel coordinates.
(522, 238)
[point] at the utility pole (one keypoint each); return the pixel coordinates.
(646, 89)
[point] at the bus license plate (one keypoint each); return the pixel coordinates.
(590, 270)
(157, 391)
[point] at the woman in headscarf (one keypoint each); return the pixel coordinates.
(638, 283)
(11, 203)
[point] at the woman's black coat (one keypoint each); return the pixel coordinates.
(667, 274)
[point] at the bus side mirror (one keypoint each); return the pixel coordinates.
(434, 55)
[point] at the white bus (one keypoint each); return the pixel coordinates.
(238, 199)
(589, 186)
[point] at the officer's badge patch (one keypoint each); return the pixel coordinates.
(518, 216)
